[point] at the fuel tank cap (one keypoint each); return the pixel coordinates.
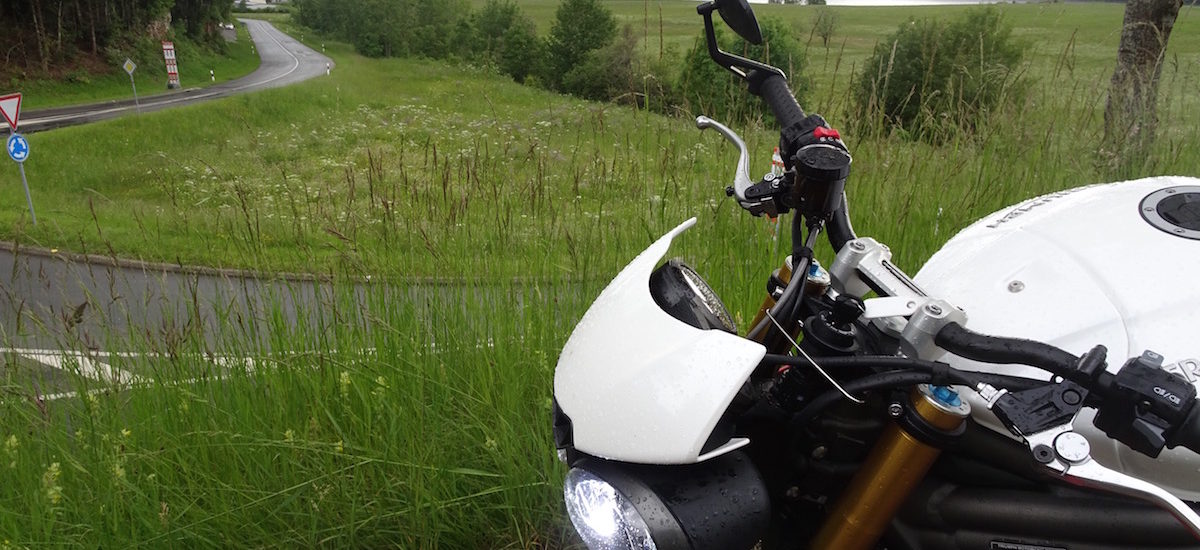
(1175, 210)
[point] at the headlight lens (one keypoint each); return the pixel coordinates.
(718, 504)
(602, 517)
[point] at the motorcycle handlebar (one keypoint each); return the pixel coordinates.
(775, 92)
(962, 342)
(1188, 434)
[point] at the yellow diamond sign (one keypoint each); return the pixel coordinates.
(129, 66)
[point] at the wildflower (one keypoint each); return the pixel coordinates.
(118, 471)
(490, 444)
(125, 433)
(10, 449)
(340, 447)
(50, 486)
(289, 435)
(344, 384)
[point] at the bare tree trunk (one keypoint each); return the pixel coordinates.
(91, 11)
(59, 32)
(39, 31)
(1130, 117)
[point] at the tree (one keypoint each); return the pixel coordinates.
(580, 27)
(824, 24)
(520, 51)
(1130, 116)
(933, 78)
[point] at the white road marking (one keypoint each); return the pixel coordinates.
(84, 364)
(91, 366)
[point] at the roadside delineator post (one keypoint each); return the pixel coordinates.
(172, 64)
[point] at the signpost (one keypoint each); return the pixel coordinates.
(172, 67)
(129, 67)
(16, 146)
(18, 150)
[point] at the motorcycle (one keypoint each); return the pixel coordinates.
(1033, 387)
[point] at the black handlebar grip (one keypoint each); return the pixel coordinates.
(1188, 433)
(774, 90)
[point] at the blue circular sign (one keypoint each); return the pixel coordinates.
(17, 147)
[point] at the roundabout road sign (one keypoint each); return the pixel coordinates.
(17, 147)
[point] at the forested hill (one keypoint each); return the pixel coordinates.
(46, 38)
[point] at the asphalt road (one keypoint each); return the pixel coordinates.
(95, 307)
(284, 61)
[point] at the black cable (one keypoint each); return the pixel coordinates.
(806, 252)
(793, 293)
(890, 379)
(936, 369)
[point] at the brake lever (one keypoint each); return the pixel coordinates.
(741, 178)
(1068, 454)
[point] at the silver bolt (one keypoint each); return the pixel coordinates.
(1016, 286)
(895, 410)
(933, 309)
(855, 245)
(1072, 447)
(820, 452)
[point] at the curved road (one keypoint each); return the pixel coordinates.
(284, 61)
(52, 301)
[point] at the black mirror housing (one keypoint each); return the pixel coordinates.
(738, 15)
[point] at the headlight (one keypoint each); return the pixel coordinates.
(603, 518)
(718, 504)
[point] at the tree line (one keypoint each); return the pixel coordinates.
(40, 35)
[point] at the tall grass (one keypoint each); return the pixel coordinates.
(403, 419)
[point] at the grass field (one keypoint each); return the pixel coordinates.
(424, 423)
(151, 76)
(404, 167)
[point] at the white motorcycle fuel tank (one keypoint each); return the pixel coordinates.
(1113, 264)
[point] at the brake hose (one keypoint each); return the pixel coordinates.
(793, 293)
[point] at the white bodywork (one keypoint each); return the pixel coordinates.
(641, 386)
(1075, 269)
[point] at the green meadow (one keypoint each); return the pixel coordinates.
(421, 419)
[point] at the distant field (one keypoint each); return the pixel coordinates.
(429, 169)
(1081, 38)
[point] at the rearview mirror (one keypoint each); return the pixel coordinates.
(738, 15)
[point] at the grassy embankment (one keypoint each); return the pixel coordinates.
(151, 77)
(401, 168)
